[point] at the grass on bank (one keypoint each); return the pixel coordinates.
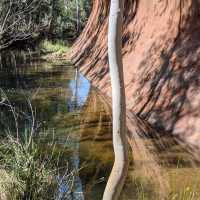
(28, 171)
(145, 191)
(183, 185)
(58, 47)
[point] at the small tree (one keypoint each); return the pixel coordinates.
(120, 168)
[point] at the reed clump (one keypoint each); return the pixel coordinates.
(28, 172)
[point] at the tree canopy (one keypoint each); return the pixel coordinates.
(21, 20)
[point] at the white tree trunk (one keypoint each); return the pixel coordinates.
(120, 168)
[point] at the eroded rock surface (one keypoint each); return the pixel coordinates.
(161, 56)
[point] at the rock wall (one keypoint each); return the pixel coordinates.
(161, 57)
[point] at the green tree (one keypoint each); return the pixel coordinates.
(23, 20)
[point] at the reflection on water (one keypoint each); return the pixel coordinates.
(64, 102)
(80, 87)
(60, 99)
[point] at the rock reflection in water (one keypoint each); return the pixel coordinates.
(65, 102)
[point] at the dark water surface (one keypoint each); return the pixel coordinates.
(67, 106)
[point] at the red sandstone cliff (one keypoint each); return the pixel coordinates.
(161, 55)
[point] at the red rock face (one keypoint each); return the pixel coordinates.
(161, 57)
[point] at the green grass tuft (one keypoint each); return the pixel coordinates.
(27, 171)
(58, 47)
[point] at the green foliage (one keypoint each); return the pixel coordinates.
(22, 20)
(58, 47)
(66, 16)
(51, 19)
(27, 172)
(184, 185)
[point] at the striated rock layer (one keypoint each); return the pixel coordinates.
(161, 57)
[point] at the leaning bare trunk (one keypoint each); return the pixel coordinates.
(120, 168)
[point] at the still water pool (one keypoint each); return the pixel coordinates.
(79, 118)
(67, 106)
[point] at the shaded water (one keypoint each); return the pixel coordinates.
(64, 103)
